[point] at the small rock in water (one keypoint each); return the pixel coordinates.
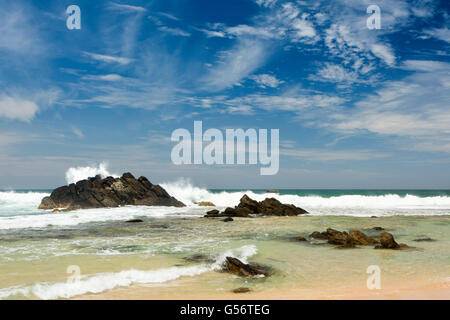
(134, 221)
(229, 219)
(242, 290)
(212, 214)
(272, 191)
(424, 240)
(378, 228)
(319, 235)
(236, 266)
(300, 238)
(373, 217)
(205, 204)
(387, 241)
(61, 210)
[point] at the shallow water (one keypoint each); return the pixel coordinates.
(119, 260)
(43, 255)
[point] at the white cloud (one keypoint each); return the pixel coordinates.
(441, 34)
(126, 7)
(169, 16)
(174, 31)
(236, 64)
(107, 58)
(17, 108)
(245, 30)
(106, 77)
(290, 101)
(16, 33)
(266, 80)
(213, 33)
(77, 132)
(416, 108)
(424, 65)
(266, 3)
(335, 73)
(383, 52)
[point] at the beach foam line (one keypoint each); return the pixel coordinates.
(107, 281)
(42, 219)
(184, 191)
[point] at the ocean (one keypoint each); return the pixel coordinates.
(42, 252)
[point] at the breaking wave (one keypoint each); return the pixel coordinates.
(80, 173)
(98, 283)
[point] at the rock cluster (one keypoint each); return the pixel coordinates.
(109, 192)
(356, 237)
(248, 207)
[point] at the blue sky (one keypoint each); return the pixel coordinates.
(356, 108)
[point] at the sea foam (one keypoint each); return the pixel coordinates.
(98, 283)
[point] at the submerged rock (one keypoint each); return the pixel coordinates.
(241, 290)
(424, 240)
(237, 267)
(229, 219)
(199, 258)
(300, 238)
(272, 191)
(267, 207)
(378, 228)
(134, 221)
(109, 192)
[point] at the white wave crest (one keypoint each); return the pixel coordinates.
(19, 203)
(184, 191)
(79, 173)
(107, 281)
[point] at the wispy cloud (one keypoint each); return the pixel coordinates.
(174, 31)
(439, 33)
(77, 132)
(106, 77)
(333, 155)
(126, 7)
(169, 16)
(236, 64)
(108, 58)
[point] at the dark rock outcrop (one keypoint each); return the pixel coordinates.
(387, 241)
(267, 207)
(109, 192)
(237, 267)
